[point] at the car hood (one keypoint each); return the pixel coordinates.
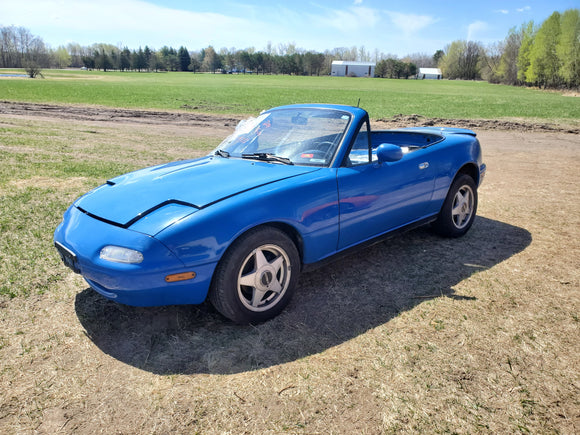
(180, 188)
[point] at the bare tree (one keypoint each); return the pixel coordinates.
(461, 60)
(508, 65)
(490, 62)
(33, 70)
(421, 60)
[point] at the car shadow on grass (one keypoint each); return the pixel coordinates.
(332, 305)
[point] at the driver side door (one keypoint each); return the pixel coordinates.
(376, 198)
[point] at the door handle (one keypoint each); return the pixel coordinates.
(423, 165)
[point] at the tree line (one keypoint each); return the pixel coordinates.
(19, 48)
(547, 55)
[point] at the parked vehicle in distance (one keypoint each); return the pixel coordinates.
(288, 190)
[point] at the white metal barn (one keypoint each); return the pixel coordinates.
(348, 68)
(429, 73)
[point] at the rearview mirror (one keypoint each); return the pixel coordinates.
(299, 119)
(387, 152)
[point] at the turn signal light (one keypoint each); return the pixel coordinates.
(180, 277)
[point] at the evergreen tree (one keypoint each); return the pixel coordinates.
(437, 57)
(138, 61)
(125, 59)
(102, 59)
(184, 58)
(147, 57)
(170, 59)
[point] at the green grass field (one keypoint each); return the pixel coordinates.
(248, 94)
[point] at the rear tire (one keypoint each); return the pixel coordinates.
(458, 211)
(256, 277)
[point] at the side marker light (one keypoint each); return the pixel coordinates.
(180, 277)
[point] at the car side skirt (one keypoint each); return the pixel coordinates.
(381, 238)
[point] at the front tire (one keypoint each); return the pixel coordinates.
(256, 277)
(458, 211)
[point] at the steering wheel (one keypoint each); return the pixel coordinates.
(321, 149)
(317, 153)
(326, 144)
(311, 154)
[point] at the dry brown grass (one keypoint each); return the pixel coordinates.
(415, 335)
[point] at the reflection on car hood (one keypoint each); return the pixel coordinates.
(196, 183)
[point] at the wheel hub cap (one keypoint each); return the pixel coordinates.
(462, 207)
(265, 279)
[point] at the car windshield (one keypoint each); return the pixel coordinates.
(299, 136)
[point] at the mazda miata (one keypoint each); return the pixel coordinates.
(289, 190)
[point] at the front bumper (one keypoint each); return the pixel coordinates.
(144, 284)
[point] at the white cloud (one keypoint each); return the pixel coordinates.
(502, 11)
(524, 9)
(115, 15)
(474, 28)
(410, 23)
(132, 22)
(352, 19)
(135, 23)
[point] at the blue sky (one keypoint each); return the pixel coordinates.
(399, 28)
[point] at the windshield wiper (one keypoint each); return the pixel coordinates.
(222, 153)
(267, 157)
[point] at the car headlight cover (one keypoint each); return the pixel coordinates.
(119, 254)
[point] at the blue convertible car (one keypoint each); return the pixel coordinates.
(289, 189)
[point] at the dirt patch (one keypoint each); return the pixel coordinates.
(401, 120)
(156, 117)
(88, 113)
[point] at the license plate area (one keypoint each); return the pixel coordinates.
(68, 257)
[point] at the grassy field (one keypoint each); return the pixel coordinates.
(248, 94)
(51, 155)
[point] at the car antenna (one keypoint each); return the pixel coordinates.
(358, 104)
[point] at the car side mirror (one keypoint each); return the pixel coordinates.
(387, 152)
